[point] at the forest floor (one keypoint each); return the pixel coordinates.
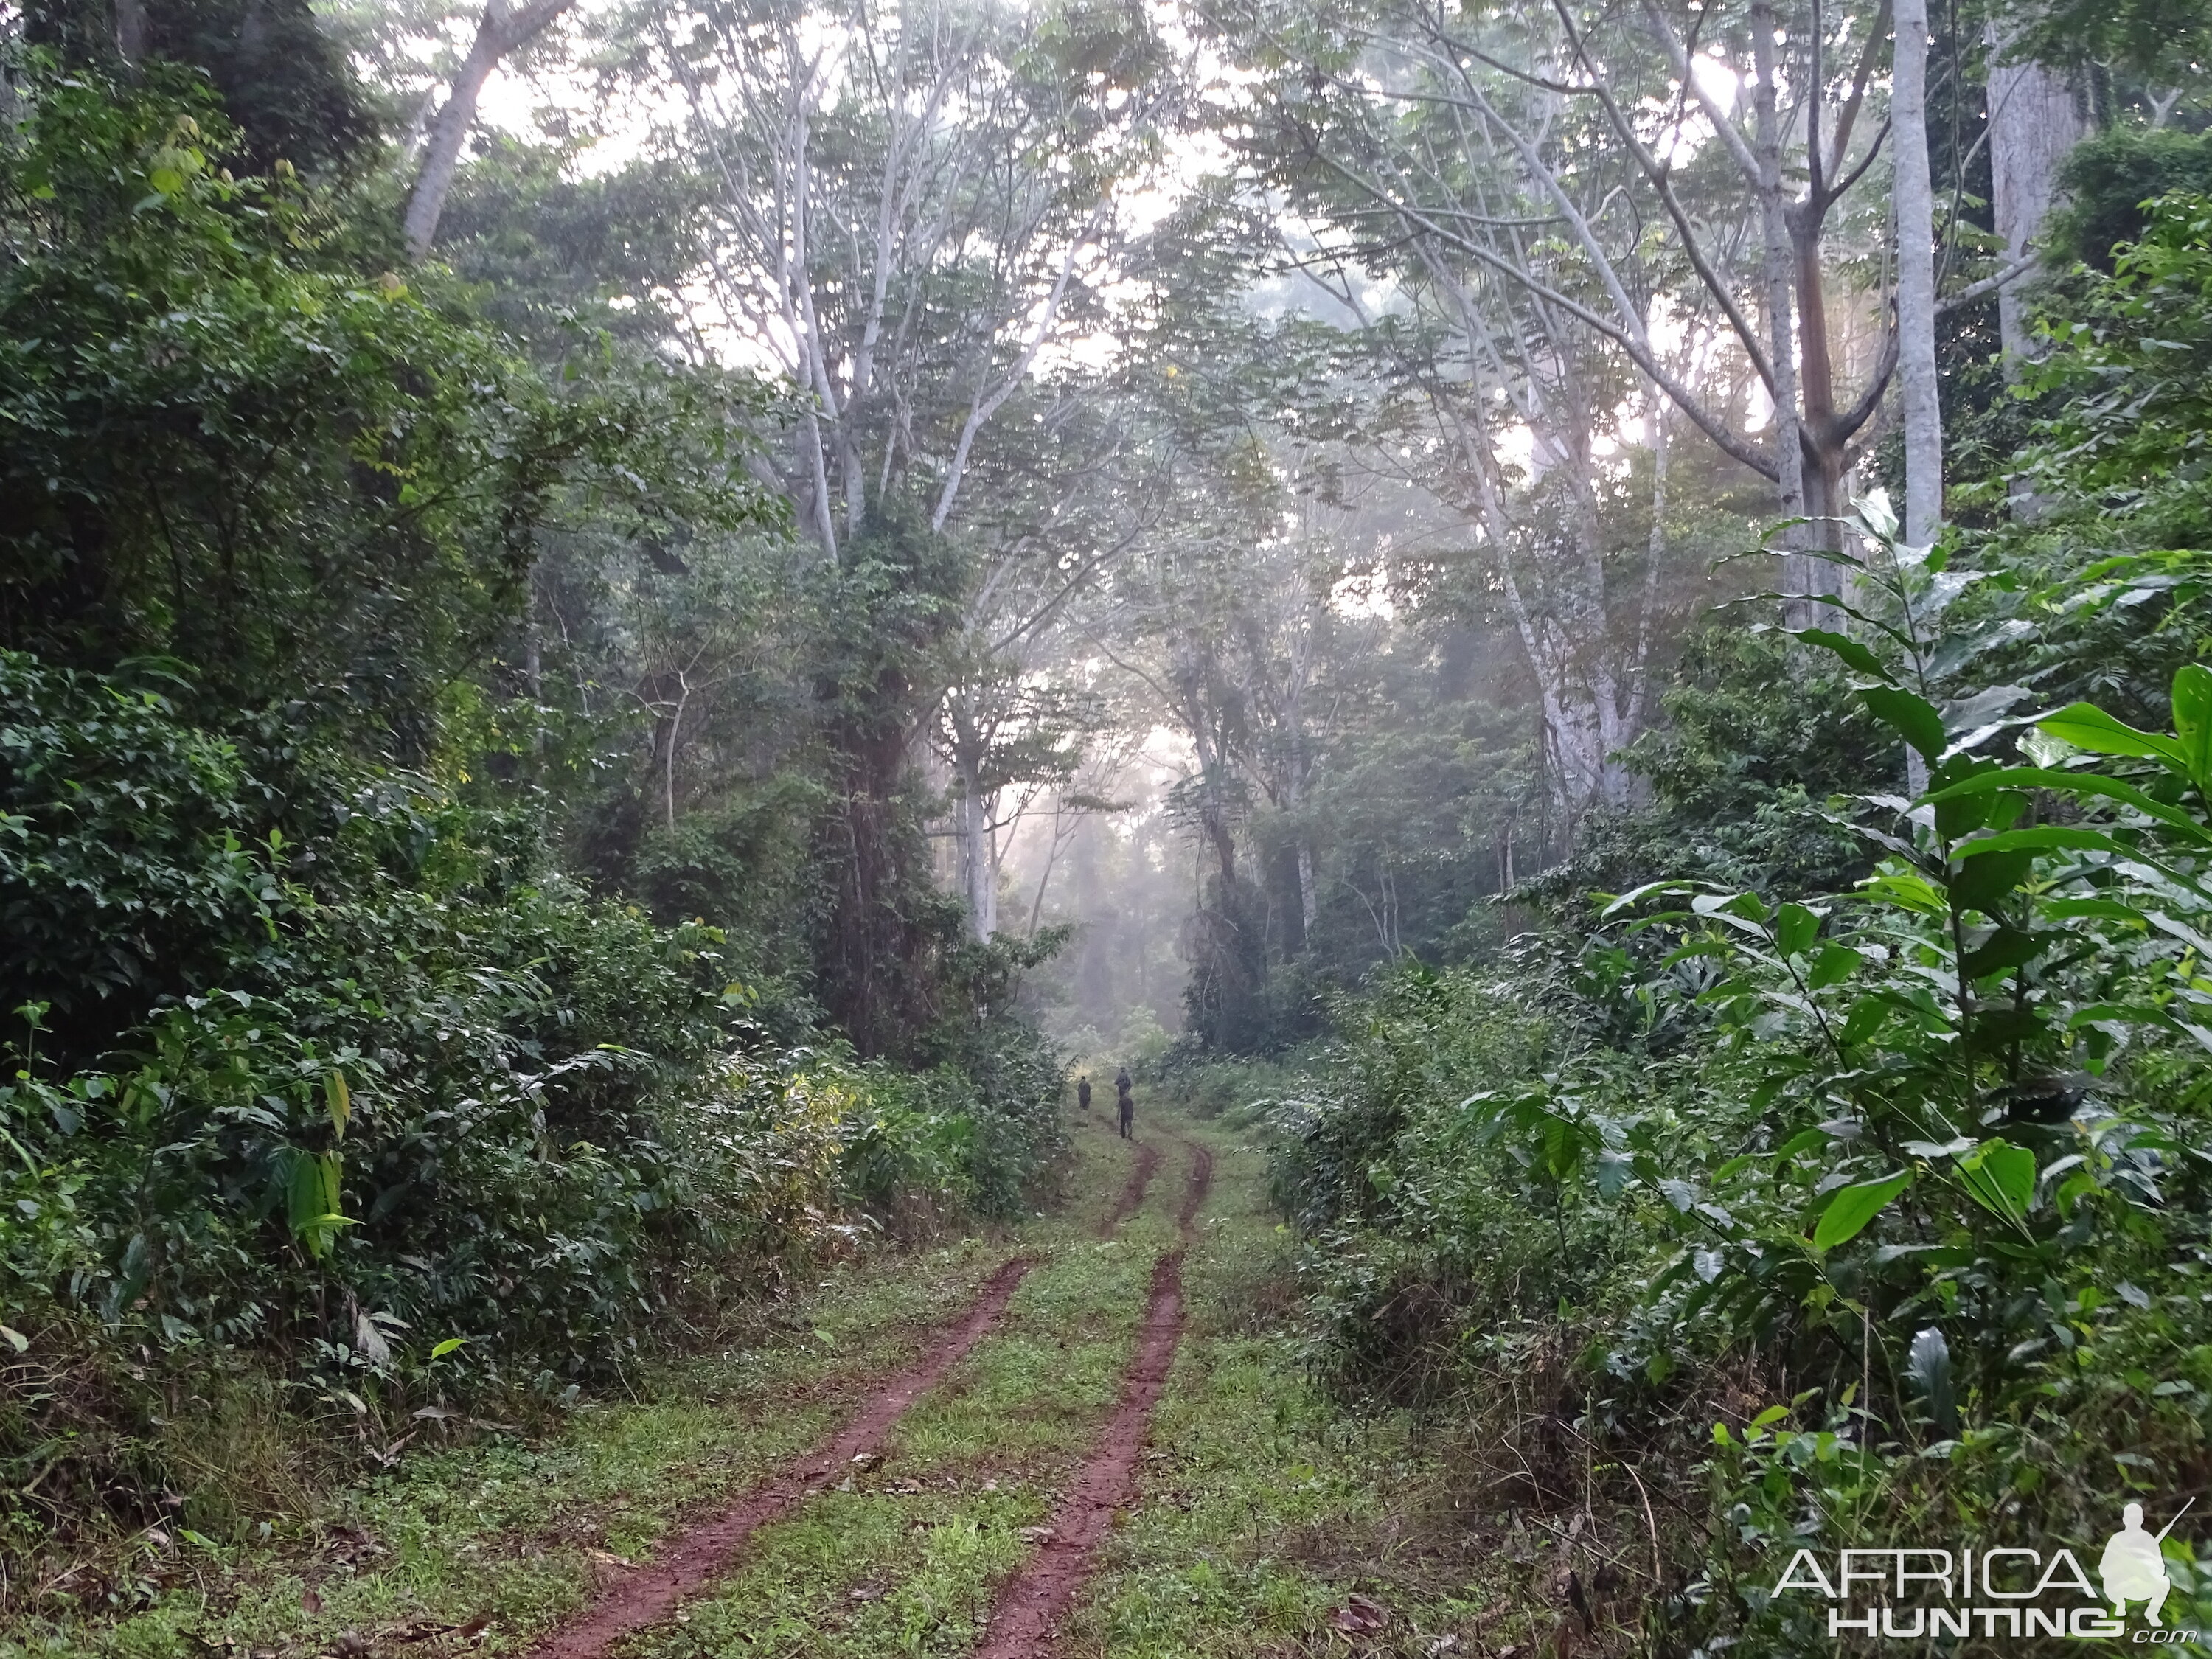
(1089, 1434)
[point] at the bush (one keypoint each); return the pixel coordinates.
(1873, 1213)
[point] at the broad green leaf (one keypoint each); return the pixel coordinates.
(2000, 1177)
(1835, 964)
(1907, 890)
(339, 1099)
(1805, 1141)
(1796, 927)
(312, 1201)
(2082, 783)
(2088, 727)
(1852, 1207)
(2043, 837)
(1851, 650)
(447, 1346)
(1631, 899)
(1864, 1020)
(2192, 720)
(1981, 883)
(2007, 948)
(1912, 718)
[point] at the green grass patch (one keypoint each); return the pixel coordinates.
(1264, 1510)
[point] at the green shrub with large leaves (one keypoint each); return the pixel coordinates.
(316, 1066)
(1878, 1211)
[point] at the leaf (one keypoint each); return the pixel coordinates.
(1851, 650)
(1852, 1207)
(1876, 514)
(1980, 881)
(2088, 727)
(1796, 927)
(447, 1346)
(2008, 947)
(2001, 1178)
(1908, 891)
(312, 1201)
(1864, 1020)
(15, 1338)
(2192, 721)
(1912, 718)
(1835, 964)
(339, 1099)
(1805, 1141)
(1928, 1367)
(2043, 837)
(2080, 783)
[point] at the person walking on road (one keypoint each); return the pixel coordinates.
(1125, 1100)
(1083, 1092)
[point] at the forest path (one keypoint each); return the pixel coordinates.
(1093, 1434)
(1030, 1609)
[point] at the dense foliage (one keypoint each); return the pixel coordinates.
(355, 1050)
(1862, 1189)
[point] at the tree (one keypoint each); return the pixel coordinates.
(1573, 122)
(502, 31)
(912, 213)
(1914, 204)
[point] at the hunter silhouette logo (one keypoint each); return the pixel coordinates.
(2132, 1568)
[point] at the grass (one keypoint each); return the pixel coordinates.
(907, 1561)
(1269, 1522)
(520, 1530)
(1265, 1510)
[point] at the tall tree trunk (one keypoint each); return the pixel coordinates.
(499, 31)
(1821, 434)
(1775, 260)
(978, 873)
(2033, 122)
(1914, 204)
(130, 30)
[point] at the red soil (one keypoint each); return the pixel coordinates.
(1148, 1159)
(703, 1553)
(1032, 1606)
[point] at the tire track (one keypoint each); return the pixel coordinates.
(1133, 1194)
(703, 1553)
(1030, 1609)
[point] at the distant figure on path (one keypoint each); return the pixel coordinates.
(1083, 1092)
(1124, 1100)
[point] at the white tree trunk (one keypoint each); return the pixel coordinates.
(499, 31)
(1914, 204)
(2033, 123)
(1775, 256)
(979, 867)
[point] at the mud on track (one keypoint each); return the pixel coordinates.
(1032, 1606)
(699, 1556)
(1132, 1195)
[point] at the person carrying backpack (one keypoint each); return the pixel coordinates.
(1083, 1092)
(1124, 1100)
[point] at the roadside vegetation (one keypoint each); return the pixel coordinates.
(1845, 1179)
(631, 635)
